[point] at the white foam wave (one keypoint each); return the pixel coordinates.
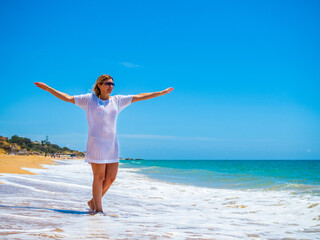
(20, 216)
(139, 207)
(26, 187)
(60, 183)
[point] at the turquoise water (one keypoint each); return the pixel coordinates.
(299, 176)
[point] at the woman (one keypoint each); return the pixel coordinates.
(102, 150)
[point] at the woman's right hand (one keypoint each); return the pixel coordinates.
(42, 85)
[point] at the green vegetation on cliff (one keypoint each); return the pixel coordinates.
(21, 145)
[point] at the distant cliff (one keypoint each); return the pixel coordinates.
(24, 146)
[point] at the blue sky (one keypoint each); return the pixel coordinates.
(245, 75)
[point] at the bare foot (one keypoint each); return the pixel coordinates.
(98, 213)
(91, 205)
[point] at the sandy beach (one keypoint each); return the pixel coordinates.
(15, 163)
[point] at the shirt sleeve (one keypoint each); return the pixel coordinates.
(82, 100)
(124, 101)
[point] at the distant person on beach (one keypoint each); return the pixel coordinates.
(102, 150)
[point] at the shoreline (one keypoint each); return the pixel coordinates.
(15, 163)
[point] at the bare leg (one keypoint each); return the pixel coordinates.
(110, 176)
(98, 176)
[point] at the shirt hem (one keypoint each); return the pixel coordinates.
(101, 161)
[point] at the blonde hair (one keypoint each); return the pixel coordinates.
(100, 79)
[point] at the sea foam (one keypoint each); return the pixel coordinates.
(53, 204)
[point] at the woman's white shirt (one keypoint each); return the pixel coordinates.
(102, 142)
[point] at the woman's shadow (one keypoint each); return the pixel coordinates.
(51, 209)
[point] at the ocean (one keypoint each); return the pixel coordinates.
(166, 199)
(298, 176)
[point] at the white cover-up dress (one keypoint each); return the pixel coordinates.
(102, 143)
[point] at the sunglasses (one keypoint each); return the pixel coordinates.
(109, 84)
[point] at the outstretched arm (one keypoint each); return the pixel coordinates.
(145, 96)
(63, 96)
